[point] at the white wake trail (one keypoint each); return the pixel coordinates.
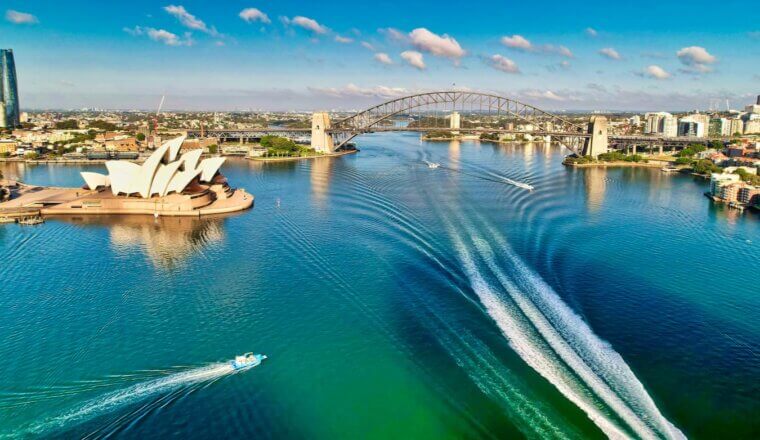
(558, 344)
(132, 394)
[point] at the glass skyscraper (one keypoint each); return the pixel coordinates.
(9, 109)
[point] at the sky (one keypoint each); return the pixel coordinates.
(344, 55)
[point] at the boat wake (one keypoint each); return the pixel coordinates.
(518, 184)
(132, 394)
(553, 340)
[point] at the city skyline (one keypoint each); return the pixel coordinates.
(295, 56)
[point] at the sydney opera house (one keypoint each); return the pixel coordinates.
(167, 184)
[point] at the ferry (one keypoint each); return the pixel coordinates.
(247, 360)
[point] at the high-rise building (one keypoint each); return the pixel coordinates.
(661, 123)
(719, 127)
(690, 128)
(9, 108)
(736, 126)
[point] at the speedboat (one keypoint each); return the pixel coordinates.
(432, 165)
(518, 184)
(248, 360)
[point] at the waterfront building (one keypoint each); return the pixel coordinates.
(163, 172)
(9, 106)
(749, 195)
(8, 146)
(719, 180)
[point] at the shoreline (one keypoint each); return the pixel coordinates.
(291, 159)
(617, 164)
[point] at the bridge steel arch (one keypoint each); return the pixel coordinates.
(543, 123)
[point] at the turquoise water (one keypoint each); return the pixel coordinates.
(393, 301)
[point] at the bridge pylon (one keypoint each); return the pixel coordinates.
(597, 143)
(321, 140)
(455, 122)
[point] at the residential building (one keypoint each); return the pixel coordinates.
(730, 191)
(719, 180)
(752, 126)
(121, 143)
(661, 123)
(8, 146)
(719, 127)
(736, 125)
(9, 106)
(749, 195)
(687, 127)
(694, 125)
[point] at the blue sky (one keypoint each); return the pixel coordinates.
(279, 55)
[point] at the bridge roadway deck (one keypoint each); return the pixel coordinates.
(640, 140)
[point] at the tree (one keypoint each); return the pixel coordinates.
(103, 125)
(69, 124)
(140, 137)
(212, 148)
(705, 166)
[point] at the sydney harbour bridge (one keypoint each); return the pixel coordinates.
(459, 112)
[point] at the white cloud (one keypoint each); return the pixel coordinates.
(368, 46)
(547, 95)
(591, 32)
(696, 59)
(414, 58)
(352, 90)
(504, 64)
(344, 40)
(135, 31)
(17, 17)
(438, 45)
(383, 58)
(562, 65)
(656, 72)
(189, 20)
(610, 53)
(161, 35)
(518, 42)
(394, 34)
(253, 14)
(308, 24)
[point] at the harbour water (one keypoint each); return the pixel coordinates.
(394, 300)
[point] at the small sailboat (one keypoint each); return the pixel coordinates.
(247, 360)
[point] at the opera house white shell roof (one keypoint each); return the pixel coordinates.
(161, 174)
